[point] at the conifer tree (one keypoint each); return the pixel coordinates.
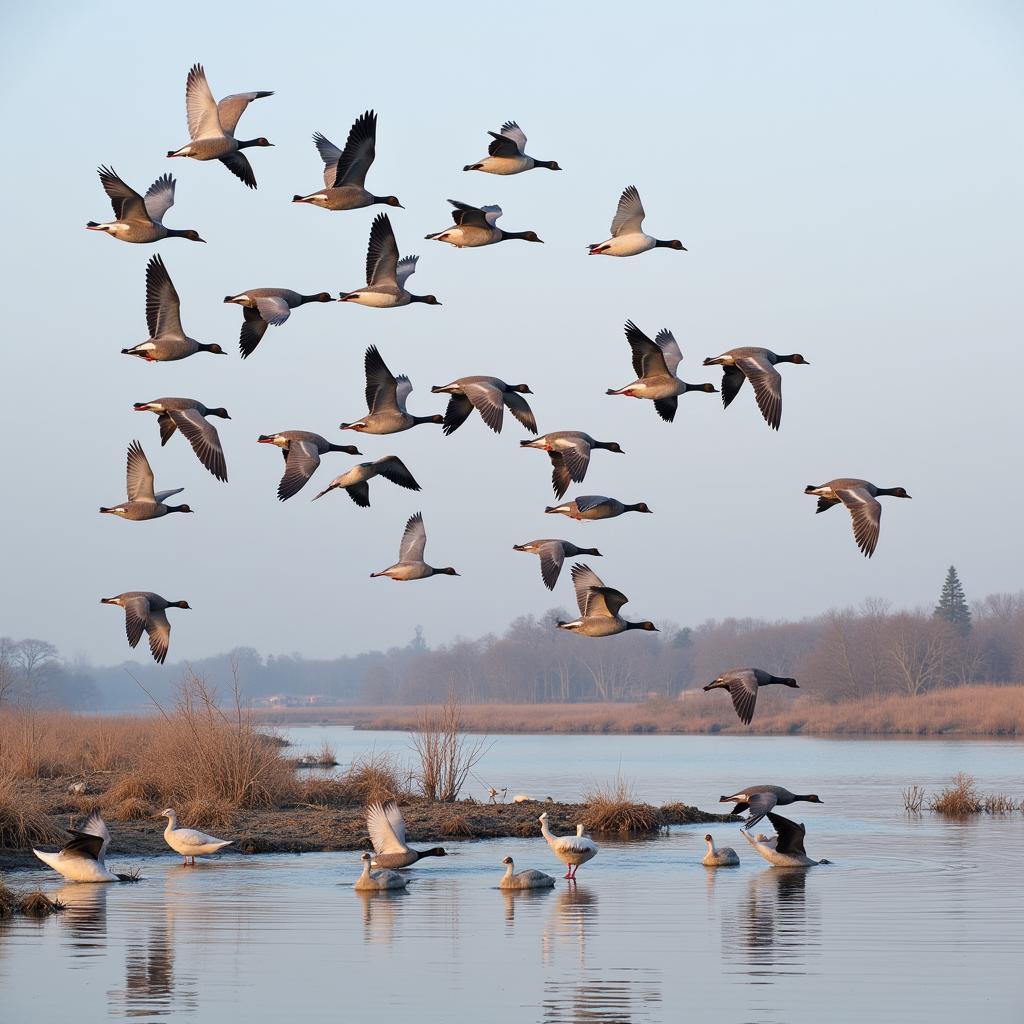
(952, 604)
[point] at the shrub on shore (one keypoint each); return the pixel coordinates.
(612, 808)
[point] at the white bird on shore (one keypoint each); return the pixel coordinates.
(531, 878)
(189, 842)
(382, 878)
(570, 850)
(82, 859)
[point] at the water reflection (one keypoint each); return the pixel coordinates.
(777, 926)
(379, 913)
(606, 997)
(525, 897)
(575, 911)
(85, 918)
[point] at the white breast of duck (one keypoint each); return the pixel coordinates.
(506, 164)
(379, 299)
(628, 245)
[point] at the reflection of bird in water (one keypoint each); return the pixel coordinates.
(85, 917)
(524, 898)
(574, 908)
(379, 914)
(601, 997)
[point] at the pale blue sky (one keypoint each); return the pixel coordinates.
(845, 177)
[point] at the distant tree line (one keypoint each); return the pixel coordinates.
(871, 650)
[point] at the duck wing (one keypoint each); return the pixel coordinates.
(584, 580)
(232, 107)
(629, 214)
(459, 408)
(414, 539)
(359, 152)
(732, 381)
(488, 400)
(253, 329)
(392, 468)
(301, 461)
(743, 690)
(126, 202)
(201, 107)
(203, 437)
(520, 408)
(552, 557)
(790, 835)
(330, 154)
(381, 824)
(648, 358)
(866, 512)
(758, 806)
(139, 475)
(136, 614)
(381, 385)
(159, 630)
(767, 384)
(238, 164)
(509, 142)
(382, 254)
(163, 307)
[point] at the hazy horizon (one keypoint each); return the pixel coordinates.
(846, 183)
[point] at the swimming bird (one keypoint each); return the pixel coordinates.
(301, 450)
(570, 850)
(356, 481)
(655, 363)
(138, 219)
(410, 564)
(531, 878)
(758, 366)
(386, 396)
(569, 451)
(263, 307)
(628, 236)
(143, 503)
(743, 684)
(552, 554)
(476, 226)
(861, 500)
(506, 154)
(188, 841)
(386, 826)
(189, 416)
(595, 506)
(599, 607)
(786, 849)
(167, 341)
(144, 610)
(489, 396)
(83, 858)
(386, 274)
(722, 857)
(380, 879)
(345, 169)
(759, 800)
(211, 126)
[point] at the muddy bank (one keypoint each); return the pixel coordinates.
(310, 828)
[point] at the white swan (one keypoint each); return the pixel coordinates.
(570, 850)
(82, 859)
(189, 842)
(528, 879)
(786, 849)
(382, 878)
(725, 857)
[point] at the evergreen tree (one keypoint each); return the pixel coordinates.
(952, 604)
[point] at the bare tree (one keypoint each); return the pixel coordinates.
(446, 755)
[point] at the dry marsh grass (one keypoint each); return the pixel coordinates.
(24, 820)
(611, 807)
(961, 799)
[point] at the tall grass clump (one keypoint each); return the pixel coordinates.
(958, 799)
(611, 807)
(446, 755)
(23, 818)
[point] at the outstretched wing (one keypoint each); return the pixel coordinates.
(127, 203)
(406, 268)
(552, 556)
(200, 107)
(666, 341)
(584, 579)
(414, 539)
(403, 389)
(866, 512)
(232, 107)
(381, 386)
(330, 154)
(488, 400)
(604, 601)
(359, 152)
(382, 254)
(392, 468)
(743, 690)
(759, 805)
(510, 141)
(301, 461)
(459, 408)
(253, 329)
(159, 630)
(203, 437)
(629, 215)
(520, 408)
(159, 198)
(790, 835)
(139, 475)
(136, 613)
(648, 357)
(732, 381)
(163, 307)
(767, 384)
(381, 823)
(238, 164)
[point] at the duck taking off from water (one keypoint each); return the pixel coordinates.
(628, 236)
(211, 126)
(386, 826)
(531, 878)
(861, 500)
(759, 800)
(82, 859)
(506, 154)
(743, 684)
(720, 857)
(189, 842)
(599, 607)
(786, 849)
(570, 850)
(655, 364)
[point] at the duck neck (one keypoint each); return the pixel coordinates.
(366, 869)
(508, 871)
(172, 824)
(417, 420)
(545, 831)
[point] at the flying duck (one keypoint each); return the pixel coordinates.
(489, 396)
(410, 564)
(743, 684)
(263, 307)
(506, 153)
(628, 237)
(144, 610)
(356, 482)
(595, 506)
(758, 366)
(599, 606)
(569, 451)
(167, 341)
(476, 226)
(386, 274)
(189, 416)
(301, 450)
(345, 170)
(655, 363)
(211, 126)
(861, 499)
(139, 219)
(386, 826)
(386, 396)
(143, 503)
(759, 800)
(552, 554)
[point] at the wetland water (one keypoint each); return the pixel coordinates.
(917, 919)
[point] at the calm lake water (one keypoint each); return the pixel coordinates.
(917, 919)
